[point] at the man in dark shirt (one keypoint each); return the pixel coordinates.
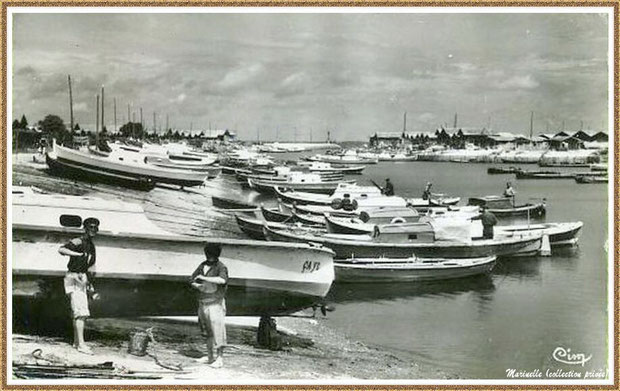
(210, 280)
(488, 220)
(427, 194)
(78, 281)
(388, 189)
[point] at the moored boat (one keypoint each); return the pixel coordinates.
(503, 206)
(229, 203)
(543, 175)
(311, 183)
(143, 270)
(414, 239)
(410, 269)
(591, 179)
(127, 165)
(559, 233)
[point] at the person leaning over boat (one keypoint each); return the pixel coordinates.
(488, 220)
(210, 280)
(78, 281)
(388, 189)
(510, 192)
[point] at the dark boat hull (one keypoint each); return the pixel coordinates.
(70, 170)
(227, 203)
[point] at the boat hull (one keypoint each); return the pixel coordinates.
(320, 187)
(518, 246)
(68, 169)
(148, 275)
(372, 270)
(227, 203)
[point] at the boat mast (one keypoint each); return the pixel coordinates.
(405, 123)
(531, 125)
(115, 115)
(97, 124)
(70, 103)
(102, 110)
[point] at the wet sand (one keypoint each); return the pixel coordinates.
(310, 351)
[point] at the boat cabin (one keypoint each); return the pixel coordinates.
(404, 233)
(492, 202)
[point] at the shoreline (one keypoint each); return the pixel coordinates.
(311, 351)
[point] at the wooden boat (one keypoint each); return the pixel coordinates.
(309, 219)
(68, 169)
(125, 165)
(253, 226)
(343, 159)
(414, 239)
(323, 167)
(143, 270)
(591, 179)
(543, 175)
(311, 183)
(502, 207)
(357, 226)
(503, 170)
(275, 216)
(559, 233)
(396, 157)
(410, 269)
(436, 200)
(229, 203)
(366, 196)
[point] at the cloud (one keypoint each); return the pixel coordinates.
(241, 76)
(526, 82)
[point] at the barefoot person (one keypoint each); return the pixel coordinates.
(78, 280)
(210, 280)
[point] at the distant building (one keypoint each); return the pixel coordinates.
(387, 139)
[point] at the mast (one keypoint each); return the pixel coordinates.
(455, 119)
(102, 110)
(115, 130)
(154, 122)
(531, 125)
(70, 103)
(405, 123)
(167, 127)
(97, 124)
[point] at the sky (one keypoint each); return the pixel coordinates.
(296, 76)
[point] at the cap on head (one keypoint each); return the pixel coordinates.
(91, 222)
(213, 249)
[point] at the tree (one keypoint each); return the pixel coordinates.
(132, 129)
(24, 122)
(54, 127)
(76, 127)
(16, 125)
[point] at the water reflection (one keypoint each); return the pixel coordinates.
(518, 268)
(347, 293)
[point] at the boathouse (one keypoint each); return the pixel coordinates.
(387, 139)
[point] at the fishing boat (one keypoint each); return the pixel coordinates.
(119, 164)
(68, 169)
(229, 203)
(359, 226)
(406, 240)
(143, 270)
(366, 196)
(275, 215)
(349, 157)
(544, 175)
(252, 225)
(435, 200)
(311, 183)
(503, 170)
(412, 269)
(503, 206)
(323, 167)
(591, 179)
(396, 157)
(560, 234)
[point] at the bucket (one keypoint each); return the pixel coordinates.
(139, 341)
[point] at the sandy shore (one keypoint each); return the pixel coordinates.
(311, 350)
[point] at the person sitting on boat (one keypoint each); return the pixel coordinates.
(427, 194)
(210, 280)
(78, 280)
(388, 189)
(510, 192)
(488, 220)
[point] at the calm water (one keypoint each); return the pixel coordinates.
(514, 318)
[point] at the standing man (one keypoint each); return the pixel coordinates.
(388, 189)
(79, 281)
(210, 280)
(510, 192)
(427, 194)
(488, 220)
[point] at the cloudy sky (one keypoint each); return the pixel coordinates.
(290, 76)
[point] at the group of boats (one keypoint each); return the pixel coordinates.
(597, 173)
(323, 228)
